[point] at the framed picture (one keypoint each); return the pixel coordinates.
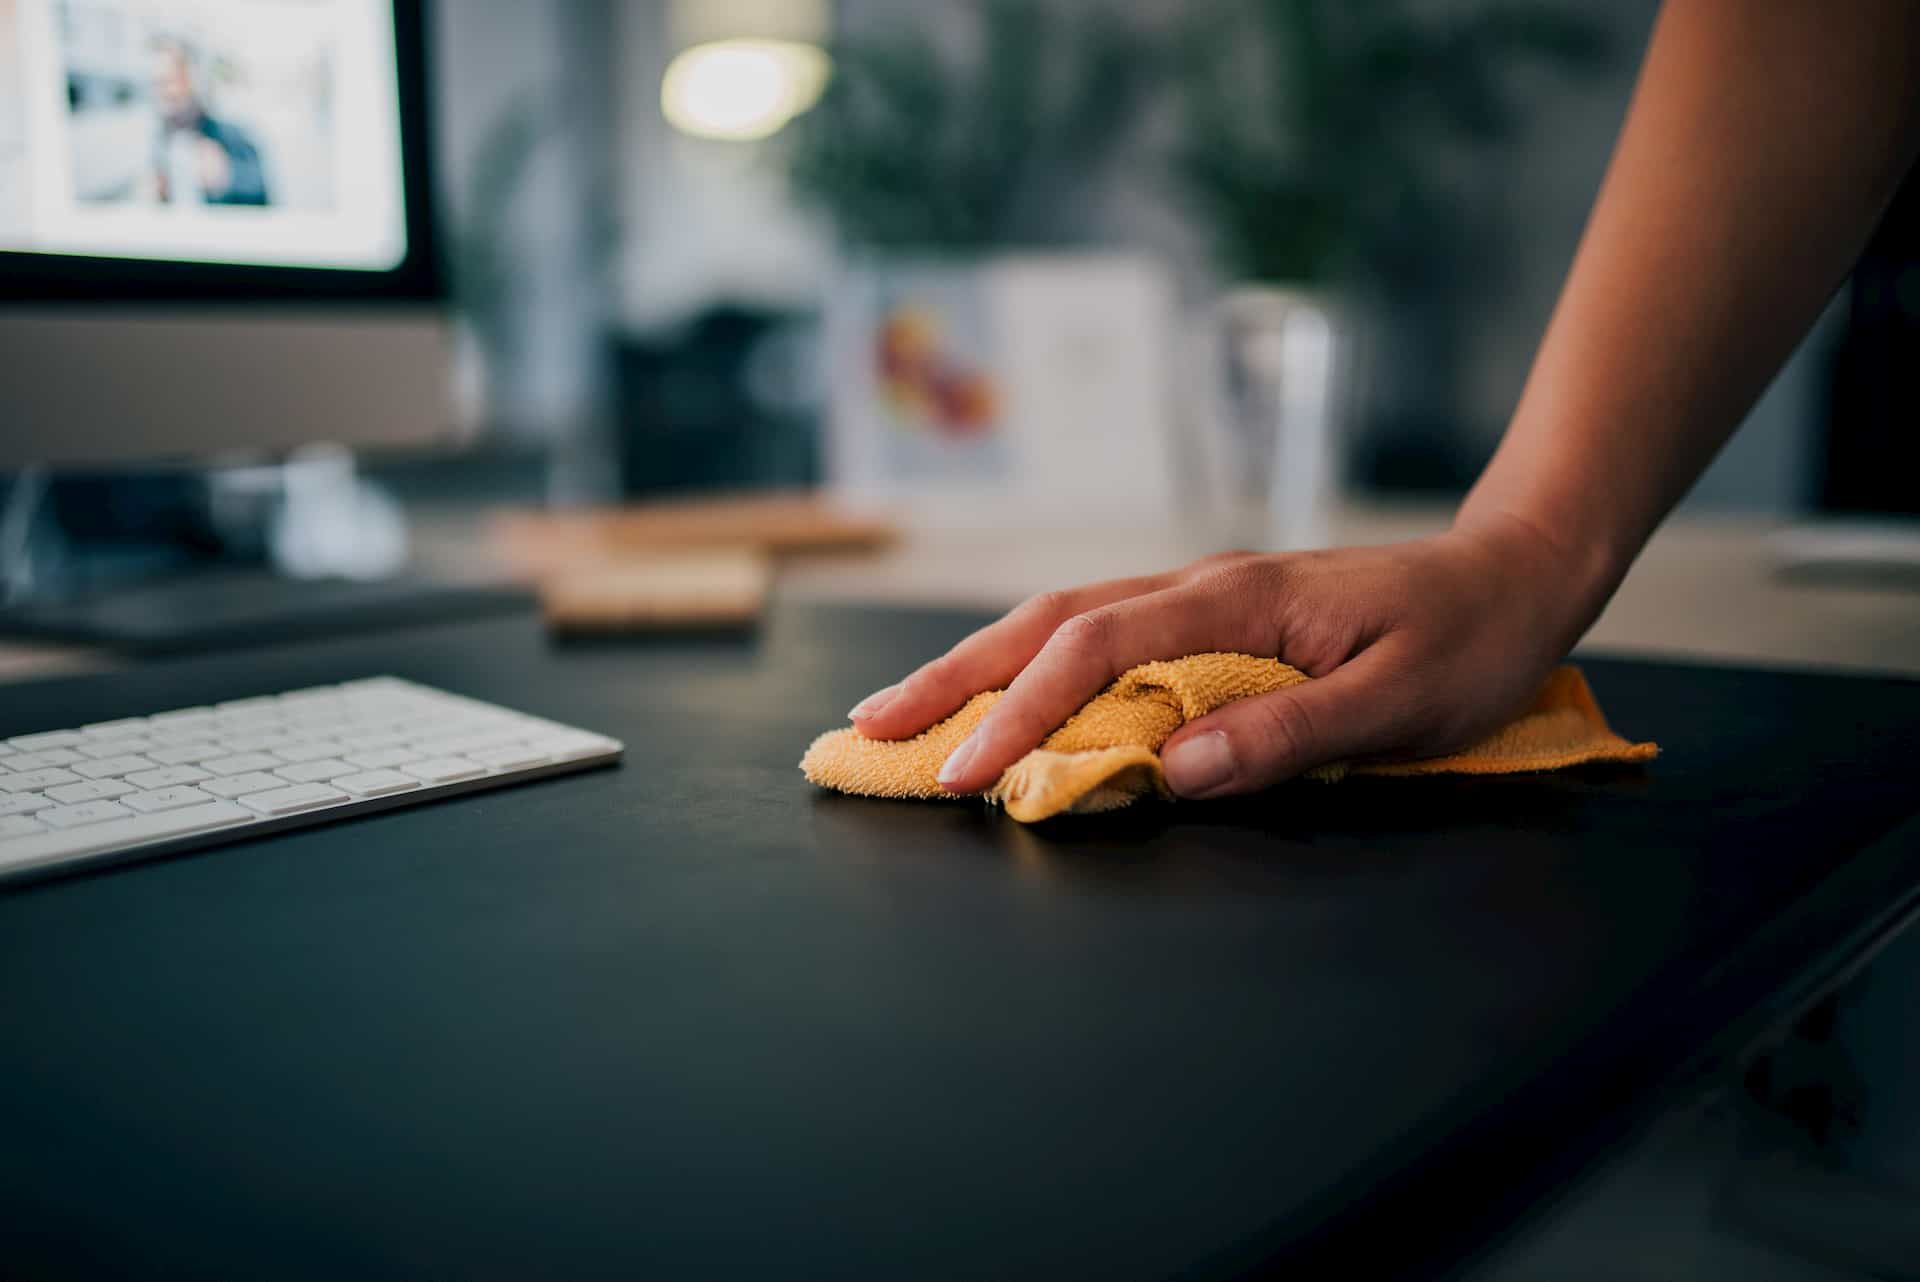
(1018, 386)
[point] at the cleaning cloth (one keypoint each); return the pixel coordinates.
(1107, 755)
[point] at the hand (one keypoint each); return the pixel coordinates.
(1419, 649)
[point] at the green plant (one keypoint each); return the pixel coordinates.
(914, 147)
(1321, 137)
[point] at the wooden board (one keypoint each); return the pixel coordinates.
(536, 544)
(696, 588)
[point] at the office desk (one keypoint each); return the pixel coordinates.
(688, 1018)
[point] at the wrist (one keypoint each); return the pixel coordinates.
(1567, 577)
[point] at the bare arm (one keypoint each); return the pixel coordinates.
(1764, 140)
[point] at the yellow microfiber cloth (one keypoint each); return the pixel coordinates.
(1107, 755)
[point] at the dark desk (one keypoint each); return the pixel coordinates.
(689, 1019)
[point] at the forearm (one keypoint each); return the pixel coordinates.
(1764, 140)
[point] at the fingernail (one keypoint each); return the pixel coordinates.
(958, 760)
(1198, 765)
(871, 705)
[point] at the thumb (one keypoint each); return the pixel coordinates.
(1361, 707)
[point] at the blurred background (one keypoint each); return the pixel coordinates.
(1002, 294)
(940, 302)
(657, 204)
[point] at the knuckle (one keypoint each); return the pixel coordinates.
(1054, 604)
(1086, 635)
(943, 671)
(1241, 581)
(1245, 597)
(1287, 734)
(1225, 558)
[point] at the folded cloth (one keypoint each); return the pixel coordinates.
(1107, 755)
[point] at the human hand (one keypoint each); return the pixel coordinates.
(1419, 649)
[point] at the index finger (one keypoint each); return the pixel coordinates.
(986, 660)
(1080, 659)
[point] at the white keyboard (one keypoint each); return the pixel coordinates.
(195, 776)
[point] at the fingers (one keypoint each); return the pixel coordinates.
(1080, 658)
(1364, 706)
(987, 660)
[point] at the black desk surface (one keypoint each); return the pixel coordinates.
(687, 1018)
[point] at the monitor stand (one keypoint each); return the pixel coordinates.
(319, 554)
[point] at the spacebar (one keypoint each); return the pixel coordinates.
(20, 852)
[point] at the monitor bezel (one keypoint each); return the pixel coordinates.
(418, 277)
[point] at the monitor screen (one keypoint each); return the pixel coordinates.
(260, 133)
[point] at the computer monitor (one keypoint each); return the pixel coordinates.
(215, 237)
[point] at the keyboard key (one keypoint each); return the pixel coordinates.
(113, 767)
(382, 758)
(187, 754)
(25, 761)
(241, 763)
(115, 834)
(315, 771)
(318, 727)
(309, 711)
(254, 704)
(181, 717)
(90, 790)
(52, 739)
(114, 729)
(467, 745)
(120, 746)
(291, 801)
(375, 741)
(444, 769)
(37, 780)
(231, 786)
(510, 756)
(87, 812)
(377, 783)
(309, 756)
(24, 803)
(571, 746)
(167, 799)
(310, 750)
(166, 777)
(267, 713)
(260, 741)
(434, 729)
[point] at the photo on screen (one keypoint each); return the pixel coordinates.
(200, 103)
(14, 171)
